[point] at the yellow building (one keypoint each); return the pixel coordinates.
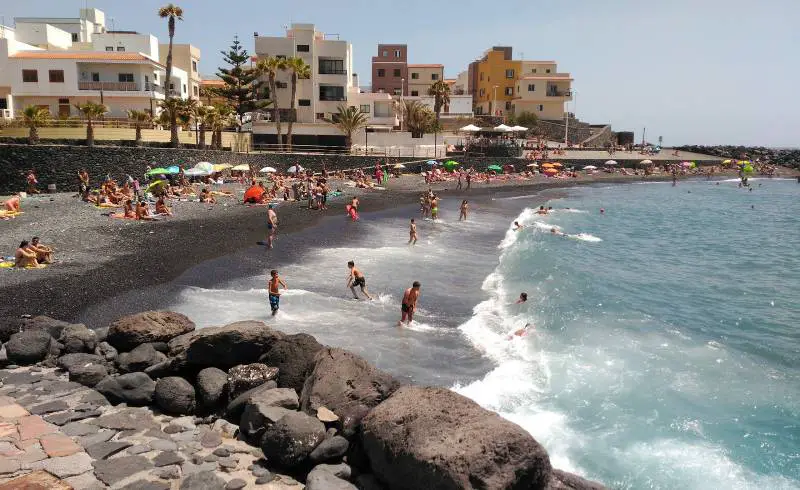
(493, 81)
(541, 90)
(421, 77)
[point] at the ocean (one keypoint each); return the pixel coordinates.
(665, 350)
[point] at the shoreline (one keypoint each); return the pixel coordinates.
(106, 260)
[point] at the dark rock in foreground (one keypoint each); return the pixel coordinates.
(139, 359)
(29, 347)
(435, 438)
(292, 438)
(149, 326)
(135, 389)
(293, 355)
(228, 346)
(175, 395)
(561, 480)
(211, 384)
(247, 376)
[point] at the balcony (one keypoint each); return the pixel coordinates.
(110, 86)
(332, 71)
(332, 98)
(558, 93)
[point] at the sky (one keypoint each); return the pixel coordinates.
(691, 71)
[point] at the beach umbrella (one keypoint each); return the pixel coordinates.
(518, 128)
(747, 168)
(195, 172)
(496, 168)
(222, 166)
(253, 194)
(590, 167)
(611, 162)
(173, 170)
(470, 128)
(399, 165)
(270, 170)
(431, 162)
(295, 169)
(450, 164)
(550, 171)
(532, 165)
(158, 183)
(242, 168)
(646, 162)
(502, 128)
(158, 171)
(205, 166)
(556, 164)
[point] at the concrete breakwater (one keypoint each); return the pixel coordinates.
(152, 402)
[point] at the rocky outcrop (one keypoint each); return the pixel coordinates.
(436, 438)
(561, 480)
(346, 384)
(135, 389)
(211, 384)
(78, 338)
(293, 355)
(139, 359)
(151, 326)
(247, 376)
(291, 439)
(225, 347)
(29, 347)
(50, 325)
(775, 156)
(175, 395)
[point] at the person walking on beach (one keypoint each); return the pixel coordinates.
(32, 181)
(469, 179)
(460, 177)
(274, 284)
(409, 304)
(412, 230)
(356, 278)
(272, 225)
(464, 209)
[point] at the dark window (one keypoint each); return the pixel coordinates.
(331, 67)
(396, 91)
(120, 48)
(194, 66)
(63, 101)
(56, 76)
(385, 53)
(541, 107)
(195, 91)
(508, 105)
(509, 90)
(184, 88)
(109, 48)
(127, 77)
(481, 76)
(30, 76)
(331, 92)
(365, 108)
(533, 70)
(531, 87)
(396, 53)
(434, 76)
(414, 93)
(509, 73)
(95, 77)
(74, 37)
(303, 48)
(397, 72)
(304, 102)
(281, 84)
(414, 76)
(381, 72)
(547, 70)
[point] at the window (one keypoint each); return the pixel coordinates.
(434, 76)
(531, 87)
(281, 85)
(481, 92)
(184, 88)
(56, 76)
(385, 53)
(194, 66)
(396, 53)
(397, 72)
(109, 48)
(541, 107)
(126, 77)
(304, 102)
(120, 48)
(95, 77)
(381, 72)
(171, 86)
(481, 76)
(63, 101)
(303, 48)
(331, 92)
(414, 93)
(365, 108)
(155, 77)
(508, 105)
(396, 91)
(509, 90)
(320, 115)
(195, 91)
(331, 67)
(30, 76)
(74, 37)
(533, 70)
(414, 76)
(3, 103)
(547, 70)
(510, 73)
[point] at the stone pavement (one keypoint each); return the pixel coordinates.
(49, 424)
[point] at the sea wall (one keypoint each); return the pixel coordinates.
(56, 164)
(225, 407)
(787, 157)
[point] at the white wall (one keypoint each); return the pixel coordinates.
(40, 34)
(137, 43)
(459, 104)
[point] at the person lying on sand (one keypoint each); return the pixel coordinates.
(44, 254)
(205, 196)
(12, 204)
(127, 211)
(25, 258)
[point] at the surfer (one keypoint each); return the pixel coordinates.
(522, 331)
(412, 230)
(274, 284)
(409, 304)
(356, 278)
(272, 225)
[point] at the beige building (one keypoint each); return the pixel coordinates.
(187, 58)
(421, 77)
(542, 90)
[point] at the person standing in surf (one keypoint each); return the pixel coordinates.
(356, 278)
(272, 225)
(409, 304)
(412, 231)
(464, 209)
(274, 284)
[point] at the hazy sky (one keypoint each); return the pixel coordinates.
(692, 71)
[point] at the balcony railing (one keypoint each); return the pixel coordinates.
(330, 71)
(110, 86)
(332, 98)
(557, 93)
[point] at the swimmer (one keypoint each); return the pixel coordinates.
(273, 285)
(556, 232)
(602, 211)
(409, 304)
(517, 226)
(412, 231)
(522, 331)
(356, 278)
(541, 210)
(272, 225)
(523, 297)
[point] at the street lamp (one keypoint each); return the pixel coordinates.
(574, 94)
(402, 109)
(494, 103)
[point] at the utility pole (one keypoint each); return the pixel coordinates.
(644, 131)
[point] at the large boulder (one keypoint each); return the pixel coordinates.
(290, 440)
(346, 384)
(45, 323)
(225, 347)
(211, 384)
(561, 480)
(331, 449)
(322, 479)
(149, 326)
(78, 338)
(293, 355)
(424, 437)
(263, 409)
(86, 369)
(29, 347)
(68, 362)
(135, 389)
(175, 395)
(247, 376)
(9, 326)
(233, 412)
(139, 359)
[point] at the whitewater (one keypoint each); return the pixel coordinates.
(663, 351)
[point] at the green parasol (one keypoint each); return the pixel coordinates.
(496, 168)
(158, 171)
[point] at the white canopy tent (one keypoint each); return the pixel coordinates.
(470, 128)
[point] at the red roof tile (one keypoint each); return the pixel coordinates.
(84, 56)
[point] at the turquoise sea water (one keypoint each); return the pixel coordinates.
(666, 349)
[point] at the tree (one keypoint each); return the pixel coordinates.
(524, 118)
(203, 116)
(440, 92)
(91, 110)
(300, 70)
(242, 83)
(419, 118)
(270, 67)
(349, 120)
(171, 12)
(224, 116)
(34, 116)
(140, 119)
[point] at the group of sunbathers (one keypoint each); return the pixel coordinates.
(33, 254)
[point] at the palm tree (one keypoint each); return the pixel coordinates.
(300, 70)
(440, 92)
(270, 67)
(34, 116)
(349, 120)
(171, 12)
(203, 116)
(140, 119)
(91, 110)
(223, 117)
(419, 118)
(171, 111)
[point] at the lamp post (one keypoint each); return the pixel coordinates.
(402, 109)
(574, 94)
(494, 98)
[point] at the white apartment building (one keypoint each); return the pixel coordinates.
(40, 64)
